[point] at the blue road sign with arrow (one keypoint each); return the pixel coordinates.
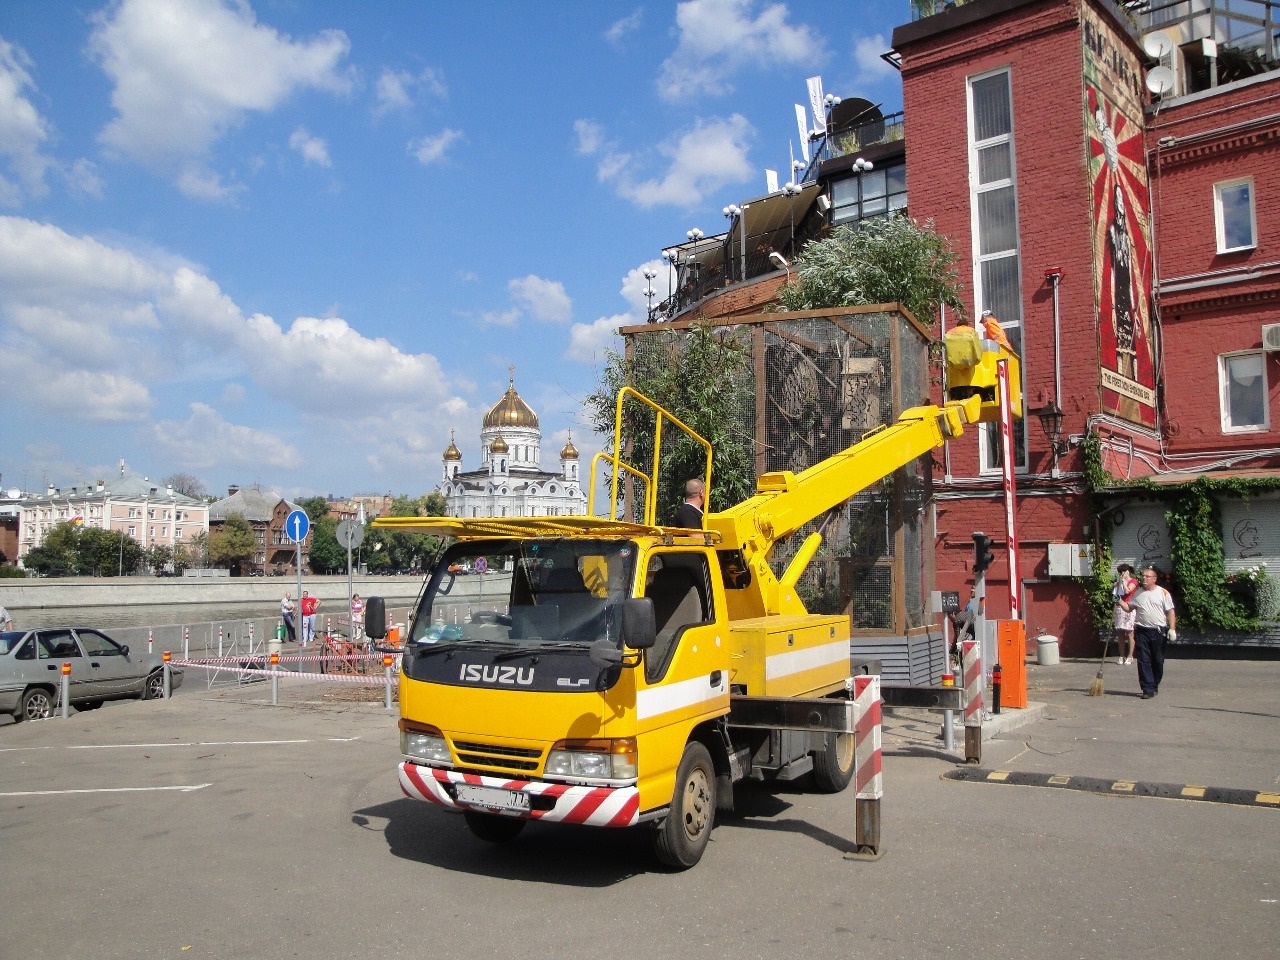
(297, 525)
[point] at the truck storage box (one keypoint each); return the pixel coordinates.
(789, 656)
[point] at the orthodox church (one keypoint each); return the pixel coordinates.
(510, 481)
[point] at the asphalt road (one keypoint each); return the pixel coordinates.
(215, 825)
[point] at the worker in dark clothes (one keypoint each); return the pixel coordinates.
(690, 513)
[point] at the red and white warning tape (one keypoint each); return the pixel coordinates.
(376, 679)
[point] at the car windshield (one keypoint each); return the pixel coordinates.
(9, 639)
(527, 592)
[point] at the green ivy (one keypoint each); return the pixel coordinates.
(1195, 533)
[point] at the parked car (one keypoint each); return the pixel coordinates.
(101, 669)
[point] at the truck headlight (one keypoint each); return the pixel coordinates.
(593, 759)
(422, 742)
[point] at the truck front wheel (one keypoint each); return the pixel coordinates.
(833, 764)
(680, 839)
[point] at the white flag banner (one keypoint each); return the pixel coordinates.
(816, 105)
(770, 180)
(804, 131)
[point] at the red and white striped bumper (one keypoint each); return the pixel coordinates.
(593, 806)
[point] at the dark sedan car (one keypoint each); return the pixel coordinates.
(101, 669)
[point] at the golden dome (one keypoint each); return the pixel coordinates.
(499, 445)
(452, 452)
(570, 452)
(510, 411)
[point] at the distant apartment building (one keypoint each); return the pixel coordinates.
(152, 515)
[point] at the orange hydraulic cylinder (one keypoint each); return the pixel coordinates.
(1011, 639)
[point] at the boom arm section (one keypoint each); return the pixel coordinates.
(785, 501)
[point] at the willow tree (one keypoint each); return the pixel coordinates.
(884, 260)
(702, 375)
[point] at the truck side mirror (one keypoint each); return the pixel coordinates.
(639, 628)
(375, 618)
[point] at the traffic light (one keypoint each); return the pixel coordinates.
(982, 555)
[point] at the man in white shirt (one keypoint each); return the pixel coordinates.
(1155, 621)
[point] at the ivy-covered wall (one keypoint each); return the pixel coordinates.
(1207, 597)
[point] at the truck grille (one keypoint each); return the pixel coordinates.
(492, 755)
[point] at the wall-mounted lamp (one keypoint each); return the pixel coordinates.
(863, 165)
(1051, 423)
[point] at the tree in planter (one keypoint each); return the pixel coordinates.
(701, 376)
(885, 260)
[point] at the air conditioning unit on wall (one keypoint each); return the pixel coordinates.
(1271, 337)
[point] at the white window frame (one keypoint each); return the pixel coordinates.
(989, 433)
(1224, 386)
(1219, 217)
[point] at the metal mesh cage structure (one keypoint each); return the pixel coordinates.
(814, 383)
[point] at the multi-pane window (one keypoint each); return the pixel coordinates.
(872, 193)
(994, 206)
(1233, 215)
(1242, 381)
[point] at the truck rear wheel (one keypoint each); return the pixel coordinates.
(492, 827)
(680, 839)
(833, 764)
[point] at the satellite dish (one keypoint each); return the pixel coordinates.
(856, 112)
(1160, 80)
(1157, 44)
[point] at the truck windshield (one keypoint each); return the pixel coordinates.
(527, 592)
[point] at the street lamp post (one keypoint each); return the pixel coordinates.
(649, 292)
(791, 189)
(733, 211)
(694, 236)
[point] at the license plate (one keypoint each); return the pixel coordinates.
(492, 797)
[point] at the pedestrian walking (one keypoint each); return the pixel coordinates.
(309, 605)
(1126, 587)
(6, 621)
(286, 614)
(1155, 622)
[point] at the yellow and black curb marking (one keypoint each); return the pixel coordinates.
(1118, 788)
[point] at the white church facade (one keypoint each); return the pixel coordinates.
(510, 481)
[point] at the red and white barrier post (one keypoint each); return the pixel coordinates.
(867, 763)
(148, 640)
(971, 664)
(66, 690)
(186, 643)
(168, 676)
(275, 679)
(387, 661)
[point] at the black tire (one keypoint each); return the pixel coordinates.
(493, 828)
(680, 839)
(153, 686)
(833, 764)
(37, 703)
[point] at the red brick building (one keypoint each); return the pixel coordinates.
(1110, 180)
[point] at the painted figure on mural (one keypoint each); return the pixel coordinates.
(1120, 251)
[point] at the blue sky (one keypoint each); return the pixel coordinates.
(297, 242)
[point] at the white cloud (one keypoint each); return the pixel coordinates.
(430, 149)
(588, 341)
(23, 130)
(871, 66)
(543, 299)
(718, 38)
(98, 332)
(590, 136)
(205, 440)
(313, 149)
(701, 161)
(187, 71)
(620, 28)
(500, 318)
(396, 89)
